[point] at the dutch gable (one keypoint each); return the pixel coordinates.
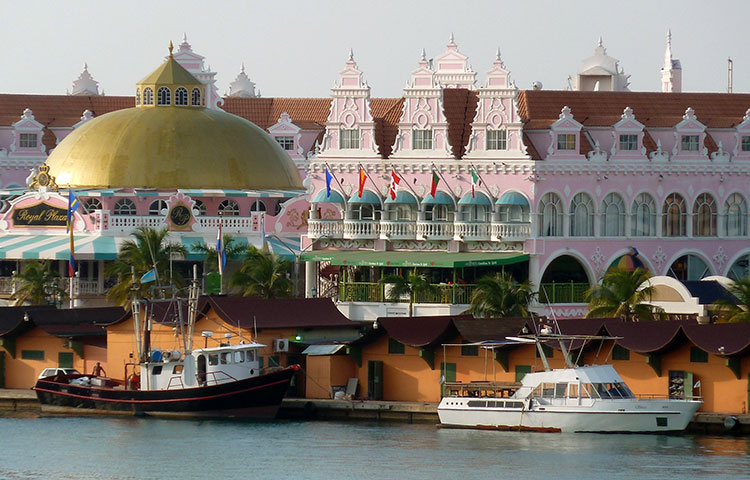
(627, 138)
(27, 137)
(452, 69)
(565, 137)
(690, 137)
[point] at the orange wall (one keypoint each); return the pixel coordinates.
(324, 371)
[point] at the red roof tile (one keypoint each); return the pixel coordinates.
(386, 112)
(459, 106)
(253, 312)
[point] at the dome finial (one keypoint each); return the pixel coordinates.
(423, 58)
(171, 47)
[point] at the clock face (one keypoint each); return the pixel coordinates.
(180, 215)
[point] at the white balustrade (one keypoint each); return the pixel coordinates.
(359, 229)
(89, 287)
(398, 229)
(471, 231)
(428, 230)
(127, 222)
(6, 285)
(511, 231)
(317, 228)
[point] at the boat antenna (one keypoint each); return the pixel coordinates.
(255, 329)
(192, 310)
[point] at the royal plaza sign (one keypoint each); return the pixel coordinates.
(41, 214)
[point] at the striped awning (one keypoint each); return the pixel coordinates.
(150, 192)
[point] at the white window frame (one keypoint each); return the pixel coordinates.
(628, 142)
(286, 142)
(566, 142)
(643, 216)
(497, 139)
(181, 97)
(421, 139)
(735, 216)
(690, 143)
(28, 140)
(163, 96)
(349, 138)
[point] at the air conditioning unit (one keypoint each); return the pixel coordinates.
(281, 345)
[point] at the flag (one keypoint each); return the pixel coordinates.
(395, 180)
(72, 259)
(697, 384)
(435, 181)
(220, 251)
(329, 177)
(474, 182)
(149, 276)
(73, 205)
(362, 178)
(262, 229)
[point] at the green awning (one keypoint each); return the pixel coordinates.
(512, 198)
(479, 198)
(440, 198)
(402, 197)
(323, 197)
(415, 259)
(367, 197)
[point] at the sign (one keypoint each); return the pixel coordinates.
(180, 217)
(40, 215)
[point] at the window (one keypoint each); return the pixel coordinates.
(394, 346)
(735, 224)
(229, 207)
(200, 206)
(239, 357)
(28, 140)
(521, 371)
(349, 138)
(613, 216)
(364, 211)
(475, 213)
(470, 350)
(644, 216)
(550, 209)
(745, 143)
(437, 213)
(163, 96)
(148, 96)
(673, 219)
(688, 268)
(704, 216)
(274, 361)
(250, 356)
(181, 96)
(497, 140)
(124, 206)
(620, 353)
(157, 207)
(581, 216)
(689, 143)
(156, 370)
(698, 355)
(629, 143)
(226, 358)
(213, 358)
(422, 140)
(91, 204)
(137, 96)
(258, 206)
(448, 371)
(32, 354)
(196, 96)
(287, 143)
(566, 141)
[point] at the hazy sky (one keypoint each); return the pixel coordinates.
(295, 48)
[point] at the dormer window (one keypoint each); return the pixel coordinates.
(287, 143)
(566, 141)
(746, 143)
(422, 139)
(497, 140)
(148, 96)
(196, 97)
(163, 96)
(690, 143)
(628, 143)
(28, 140)
(349, 138)
(181, 96)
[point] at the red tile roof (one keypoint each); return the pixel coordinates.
(253, 312)
(58, 110)
(386, 112)
(460, 107)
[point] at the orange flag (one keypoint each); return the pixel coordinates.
(362, 178)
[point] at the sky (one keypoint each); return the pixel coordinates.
(296, 48)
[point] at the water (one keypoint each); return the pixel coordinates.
(102, 448)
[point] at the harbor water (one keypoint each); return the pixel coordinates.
(144, 448)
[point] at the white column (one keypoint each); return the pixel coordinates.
(311, 283)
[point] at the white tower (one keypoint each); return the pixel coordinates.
(671, 72)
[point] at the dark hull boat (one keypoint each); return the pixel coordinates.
(255, 397)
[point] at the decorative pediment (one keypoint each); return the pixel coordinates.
(28, 122)
(87, 115)
(628, 123)
(690, 123)
(452, 69)
(423, 76)
(284, 124)
(566, 121)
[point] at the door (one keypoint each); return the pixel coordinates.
(447, 375)
(375, 380)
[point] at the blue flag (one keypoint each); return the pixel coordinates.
(149, 276)
(329, 177)
(221, 251)
(73, 205)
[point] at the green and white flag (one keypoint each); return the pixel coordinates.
(474, 182)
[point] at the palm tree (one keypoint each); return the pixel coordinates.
(500, 296)
(623, 294)
(738, 311)
(412, 286)
(212, 259)
(150, 249)
(39, 285)
(263, 274)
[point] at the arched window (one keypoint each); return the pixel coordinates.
(438, 213)
(181, 96)
(157, 207)
(581, 216)
(673, 221)
(704, 216)
(196, 96)
(91, 204)
(163, 96)
(551, 216)
(258, 206)
(200, 207)
(229, 207)
(137, 96)
(689, 268)
(613, 216)
(643, 216)
(735, 224)
(740, 268)
(124, 206)
(148, 96)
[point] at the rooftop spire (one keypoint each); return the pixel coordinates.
(423, 58)
(171, 47)
(351, 55)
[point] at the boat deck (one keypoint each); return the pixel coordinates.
(481, 389)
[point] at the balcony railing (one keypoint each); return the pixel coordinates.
(85, 287)
(427, 230)
(563, 292)
(105, 221)
(511, 231)
(376, 292)
(398, 230)
(358, 229)
(471, 231)
(317, 228)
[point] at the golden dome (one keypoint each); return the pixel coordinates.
(168, 146)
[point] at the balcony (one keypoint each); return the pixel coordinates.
(375, 292)
(107, 223)
(511, 231)
(317, 228)
(398, 230)
(361, 229)
(565, 292)
(429, 230)
(471, 231)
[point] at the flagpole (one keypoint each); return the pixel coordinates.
(485, 184)
(440, 174)
(219, 245)
(393, 167)
(341, 187)
(371, 181)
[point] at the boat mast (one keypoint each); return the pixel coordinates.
(135, 307)
(192, 310)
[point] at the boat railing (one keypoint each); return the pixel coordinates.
(216, 378)
(175, 382)
(661, 396)
(480, 389)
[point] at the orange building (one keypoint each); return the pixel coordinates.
(35, 338)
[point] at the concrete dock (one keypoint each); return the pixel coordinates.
(23, 403)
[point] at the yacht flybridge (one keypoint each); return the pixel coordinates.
(572, 399)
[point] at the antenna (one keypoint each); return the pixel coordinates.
(730, 68)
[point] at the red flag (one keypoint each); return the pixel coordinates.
(435, 181)
(395, 180)
(362, 178)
